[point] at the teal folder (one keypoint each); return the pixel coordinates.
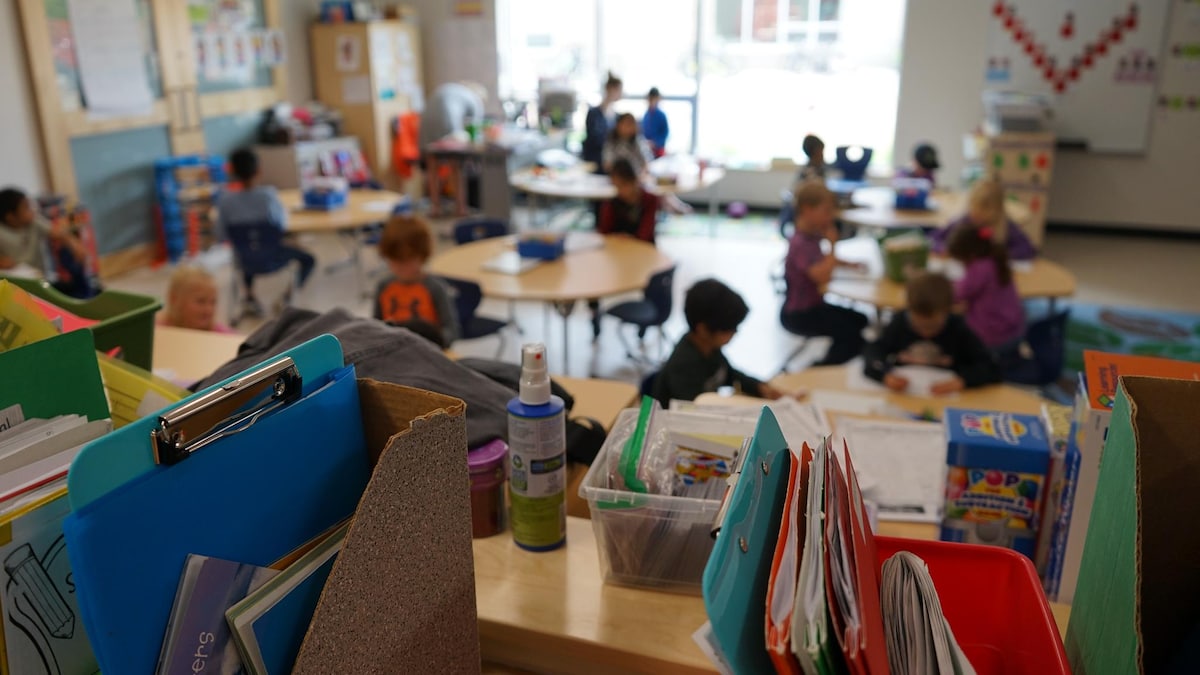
(735, 579)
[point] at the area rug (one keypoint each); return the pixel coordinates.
(1131, 330)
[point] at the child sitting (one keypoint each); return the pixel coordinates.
(807, 269)
(634, 211)
(927, 334)
(992, 305)
(257, 205)
(985, 208)
(409, 294)
(24, 235)
(192, 300)
(713, 311)
(625, 142)
(924, 163)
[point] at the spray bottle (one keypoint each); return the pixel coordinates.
(537, 457)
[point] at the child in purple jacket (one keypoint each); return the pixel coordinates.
(993, 308)
(985, 208)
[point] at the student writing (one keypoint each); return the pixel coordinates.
(713, 311)
(926, 333)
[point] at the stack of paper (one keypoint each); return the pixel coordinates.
(37, 452)
(919, 638)
(901, 466)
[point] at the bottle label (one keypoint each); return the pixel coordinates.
(537, 479)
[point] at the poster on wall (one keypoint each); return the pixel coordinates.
(349, 53)
(110, 53)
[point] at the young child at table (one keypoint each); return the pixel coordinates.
(192, 300)
(26, 239)
(410, 294)
(654, 124)
(814, 150)
(985, 208)
(926, 333)
(987, 290)
(713, 311)
(924, 163)
(626, 142)
(807, 269)
(634, 211)
(257, 204)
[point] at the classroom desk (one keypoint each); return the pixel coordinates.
(622, 265)
(875, 208)
(552, 612)
(192, 355)
(999, 397)
(1039, 278)
(363, 208)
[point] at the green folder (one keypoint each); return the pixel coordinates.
(56, 376)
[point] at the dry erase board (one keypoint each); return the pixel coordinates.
(1098, 60)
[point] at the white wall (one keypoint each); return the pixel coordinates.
(22, 165)
(941, 84)
(459, 48)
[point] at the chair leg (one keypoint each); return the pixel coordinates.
(512, 317)
(503, 346)
(791, 357)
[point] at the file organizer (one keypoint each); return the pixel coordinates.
(55, 376)
(254, 467)
(126, 319)
(991, 596)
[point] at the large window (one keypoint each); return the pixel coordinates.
(743, 80)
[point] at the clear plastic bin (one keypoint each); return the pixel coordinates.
(645, 540)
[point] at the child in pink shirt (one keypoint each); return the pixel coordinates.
(993, 308)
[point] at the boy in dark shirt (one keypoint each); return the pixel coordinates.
(928, 334)
(713, 312)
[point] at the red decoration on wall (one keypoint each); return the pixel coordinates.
(1042, 161)
(998, 8)
(1035, 204)
(1067, 31)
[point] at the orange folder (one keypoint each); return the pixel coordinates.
(785, 567)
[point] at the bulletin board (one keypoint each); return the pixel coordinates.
(233, 47)
(1098, 60)
(66, 68)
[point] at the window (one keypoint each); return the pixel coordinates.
(743, 80)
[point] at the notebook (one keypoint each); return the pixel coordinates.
(510, 262)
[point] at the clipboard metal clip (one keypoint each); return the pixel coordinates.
(226, 411)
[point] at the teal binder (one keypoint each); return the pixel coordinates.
(735, 579)
(262, 463)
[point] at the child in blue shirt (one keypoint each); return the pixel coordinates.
(654, 124)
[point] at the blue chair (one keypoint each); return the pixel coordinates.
(475, 229)
(852, 170)
(257, 250)
(467, 296)
(652, 311)
(1047, 341)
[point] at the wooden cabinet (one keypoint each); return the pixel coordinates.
(1024, 164)
(370, 72)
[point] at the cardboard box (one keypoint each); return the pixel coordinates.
(1135, 605)
(997, 465)
(1093, 408)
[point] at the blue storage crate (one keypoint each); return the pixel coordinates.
(324, 200)
(542, 248)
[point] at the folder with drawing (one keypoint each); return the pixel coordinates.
(258, 465)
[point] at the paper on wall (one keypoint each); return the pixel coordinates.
(349, 53)
(356, 89)
(111, 57)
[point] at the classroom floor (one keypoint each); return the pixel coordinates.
(1148, 273)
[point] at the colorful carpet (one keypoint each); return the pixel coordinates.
(1131, 330)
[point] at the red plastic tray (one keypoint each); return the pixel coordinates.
(995, 605)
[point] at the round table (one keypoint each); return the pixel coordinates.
(1039, 278)
(621, 265)
(875, 208)
(363, 208)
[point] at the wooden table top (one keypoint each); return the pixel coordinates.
(193, 354)
(622, 265)
(363, 207)
(876, 208)
(1039, 278)
(578, 183)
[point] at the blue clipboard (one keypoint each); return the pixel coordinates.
(255, 476)
(735, 579)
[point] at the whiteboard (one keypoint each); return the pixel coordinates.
(1098, 60)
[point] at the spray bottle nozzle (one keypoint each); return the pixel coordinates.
(535, 378)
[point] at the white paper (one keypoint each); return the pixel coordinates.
(276, 48)
(808, 619)
(111, 56)
(349, 53)
(215, 59)
(379, 206)
(11, 417)
(901, 466)
(356, 89)
(921, 379)
(707, 642)
(847, 402)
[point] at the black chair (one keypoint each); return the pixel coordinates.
(647, 386)
(1047, 341)
(467, 296)
(652, 311)
(852, 170)
(476, 229)
(257, 250)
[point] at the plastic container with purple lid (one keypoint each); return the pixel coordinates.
(487, 463)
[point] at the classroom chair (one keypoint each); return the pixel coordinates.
(646, 388)
(652, 311)
(852, 170)
(257, 251)
(467, 296)
(476, 229)
(1047, 341)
